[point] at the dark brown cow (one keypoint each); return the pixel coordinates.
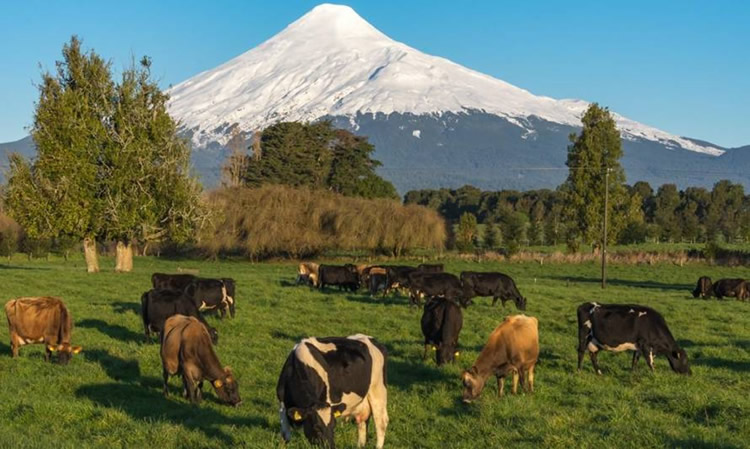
(186, 349)
(730, 287)
(41, 320)
(703, 287)
(163, 281)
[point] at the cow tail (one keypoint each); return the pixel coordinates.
(65, 325)
(144, 310)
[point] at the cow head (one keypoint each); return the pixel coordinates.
(473, 384)
(520, 302)
(214, 334)
(678, 360)
(446, 353)
(64, 352)
(318, 422)
(227, 389)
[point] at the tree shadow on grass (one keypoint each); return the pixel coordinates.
(680, 443)
(404, 374)
(125, 307)
(4, 349)
(625, 283)
(116, 368)
(385, 300)
(150, 405)
(113, 330)
(18, 267)
(715, 362)
(279, 335)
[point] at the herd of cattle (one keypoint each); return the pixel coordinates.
(327, 378)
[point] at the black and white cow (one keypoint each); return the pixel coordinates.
(326, 378)
(213, 294)
(627, 327)
(498, 285)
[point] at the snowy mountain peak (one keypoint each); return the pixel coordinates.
(332, 62)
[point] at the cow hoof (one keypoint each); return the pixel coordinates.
(599, 372)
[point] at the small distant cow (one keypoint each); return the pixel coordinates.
(326, 378)
(627, 327)
(442, 320)
(307, 273)
(498, 285)
(445, 285)
(164, 281)
(213, 294)
(430, 268)
(703, 288)
(41, 320)
(398, 277)
(731, 287)
(158, 305)
(344, 277)
(186, 349)
(512, 347)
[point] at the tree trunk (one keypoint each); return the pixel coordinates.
(124, 257)
(89, 252)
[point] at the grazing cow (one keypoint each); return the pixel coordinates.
(41, 320)
(307, 273)
(703, 288)
(158, 305)
(163, 281)
(512, 347)
(325, 378)
(622, 327)
(430, 268)
(497, 285)
(730, 287)
(213, 294)
(442, 320)
(380, 275)
(186, 349)
(345, 277)
(398, 277)
(446, 285)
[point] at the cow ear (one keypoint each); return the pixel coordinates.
(296, 414)
(76, 349)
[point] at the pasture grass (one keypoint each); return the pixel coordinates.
(110, 396)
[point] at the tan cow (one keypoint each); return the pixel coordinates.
(307, 273)
(186, 349)
(512, 347)
(41, 320)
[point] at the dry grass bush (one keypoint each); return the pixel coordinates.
(282, 221)
(10, 235)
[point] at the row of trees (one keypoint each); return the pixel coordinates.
(310, 155)
(109, 163)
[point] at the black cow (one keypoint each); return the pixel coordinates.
(703, 288)
(213, 294)
(730, 287)
(442, 320)
(498, 285)
(398, 276)
(325, 378)
(430, 268)
(445, 285)
(164, 281)
(622, 327)
(158, 305)
(344, 277)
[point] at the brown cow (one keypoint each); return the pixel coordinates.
(41, 320)
(376, 273)
(186, 348)
(512, 346)
(307, 273)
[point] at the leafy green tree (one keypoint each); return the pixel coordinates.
(491, 236)
(466, 232)
(667, 201)
(514, 228)
(353, 169)
(593, 152)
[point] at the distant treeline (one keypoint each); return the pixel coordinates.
(536, 217)
(275, 220)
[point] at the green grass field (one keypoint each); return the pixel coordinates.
(110, 396)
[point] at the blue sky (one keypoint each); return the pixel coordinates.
(682, 66)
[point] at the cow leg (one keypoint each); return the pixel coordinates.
(185, 389)
(379, 413)
(47, 354)
(426, 348)
(595, 362)
(530, 379)
(13, 347)
(514, 388)
(581, 353)
(286, 431)
(231, 309)
(649, 356)
(361, 433)
(636, 356)
(500, 386)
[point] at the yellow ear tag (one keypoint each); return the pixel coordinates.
(217, 383)
(336, 414)
(51, 348)
(297, 416)
(457, 354)
(434, 348)
(77, 349)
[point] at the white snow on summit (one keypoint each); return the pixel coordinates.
(333, 62)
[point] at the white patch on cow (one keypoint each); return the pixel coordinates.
(593, 307)
(302, 352)
(286, 431)
(225, 298)
(631, 311)
(621, 347)
(641, 313)
(592, 347)
(651, 357)
(203, 306)
(587, 323)
(325, 414)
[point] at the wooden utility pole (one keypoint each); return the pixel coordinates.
(604, 234)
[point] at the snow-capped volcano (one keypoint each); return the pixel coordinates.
(331, 62)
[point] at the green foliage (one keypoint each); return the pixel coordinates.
(317, 156)
(491, 238)
(592, 154)
(466, 232)
(515, 227)
(109, 164)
